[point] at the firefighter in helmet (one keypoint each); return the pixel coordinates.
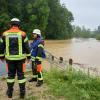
(15, 49)
(37, 53)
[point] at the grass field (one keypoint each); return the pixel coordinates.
(58, 85)
(72, 85)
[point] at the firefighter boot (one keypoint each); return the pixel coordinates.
(22, 90)
(39, 83)
(33, 80)
(9, 90)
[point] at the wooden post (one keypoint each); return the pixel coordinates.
(51, 61)
(60, 59)
(70, 61)
(88, 71)
(52, 57)
(70, 65)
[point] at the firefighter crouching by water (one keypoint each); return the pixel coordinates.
(37, 53)
(15, 49)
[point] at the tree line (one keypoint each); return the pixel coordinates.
(82, 32)
(52, 18)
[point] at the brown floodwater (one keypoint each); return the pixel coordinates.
(85, 51)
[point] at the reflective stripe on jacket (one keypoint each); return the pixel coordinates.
(16, 44)
(37, 49)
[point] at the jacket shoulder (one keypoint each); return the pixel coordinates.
(5, 32)
(23, 33)
(42, 42)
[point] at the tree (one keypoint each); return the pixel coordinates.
(59, 22)
(96, 33)
(35, 15)
(49, 16)
(81, 32)
(4, 17)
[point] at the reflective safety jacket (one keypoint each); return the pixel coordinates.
(14, 45)
(37, 49)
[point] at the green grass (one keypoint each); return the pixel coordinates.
(72, 86)
(64, 85)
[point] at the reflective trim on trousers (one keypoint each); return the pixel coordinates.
(40, 79)
(10, 80)
(40, 58)
(33, 58)
(22, 81)
(35, 76)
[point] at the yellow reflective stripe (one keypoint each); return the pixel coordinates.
(22, 81)
(8, 58)
(20, 55)
(7, 45)
(5, 33)
(28, 55)
(1, 55)
(26, 39)
(20, 43)
(40, 45)
(1, 40)
(10, 80)
(39, 58)
(40, 78)
(33, 58)
(35, 76)
(15, 57)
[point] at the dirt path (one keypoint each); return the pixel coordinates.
(38, 93)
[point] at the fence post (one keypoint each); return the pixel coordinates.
(88, 71)
(51, 60)
(70, 64)
(52, 57)
(70, 61)
(60, 59)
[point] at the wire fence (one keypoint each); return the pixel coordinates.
(63, 64)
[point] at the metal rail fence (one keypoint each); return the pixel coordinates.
(63, 64)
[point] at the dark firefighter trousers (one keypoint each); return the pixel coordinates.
(16, 67)
(36, 73)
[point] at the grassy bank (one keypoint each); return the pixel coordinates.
(59, 85)
(72, 86)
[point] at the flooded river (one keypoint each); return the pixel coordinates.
(85, 51)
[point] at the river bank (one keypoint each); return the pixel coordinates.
(58, 85)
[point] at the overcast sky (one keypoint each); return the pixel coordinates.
(85, 12)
